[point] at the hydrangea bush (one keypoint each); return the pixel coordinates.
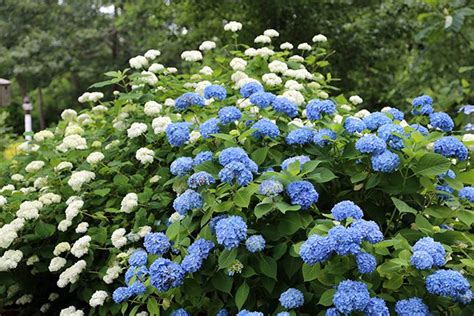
(244, 184)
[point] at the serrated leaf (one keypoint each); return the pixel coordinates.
(403, 207)
(431, 165)
(241, 295)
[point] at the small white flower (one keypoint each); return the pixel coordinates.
(118, 238)
(152, 108)
(233, 26)
(138, 62)
(346, 107)
(34, 166)
(404, 123)
(271, 33)
(98, 298)
(155, 179)
(79, 178)
(17, 177)
(251, 52)
(296, 58)
(294, 96)
(32, 260)
(144, 230)
(238, 64)
(293, 85)
(71, 311)
(82, 227)
(272, 79)
(95, 157)
(3, 201)
(264, 52)
(191, 55)
(149, 78)
(69, 115)
(286, 46)
(194, 136)
(155, 68)
(160, 124)
(64, 165)
(61, 247)
(355, 99)
(45, 307)
(56, 264)
(145, 155)
(42, 135)
(304, 46)
(207, 45)
(29, 210)
(53, 296)
(136, 130)
(72, 142)
(337, 119)
(319, 38)
(278, 66)
(71, 274)
(81, 246)
(112, 273)
(175, 217)
(323, 94)
(49, 198)
(262, 39)
(10, 260)
(206, 70)
(129, 202)
(64, 225)
(362, 113)
(25, 299)
(238, 75)
(152, 53)
(171, 70)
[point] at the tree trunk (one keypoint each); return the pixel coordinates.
(40, 109)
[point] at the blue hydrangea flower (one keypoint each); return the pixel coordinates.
(250, 88)
(213, 222)
(231, 154)
(177, 133)
(229, 114)
(262, 99)
(180, 312)
(138, 258)
(467, 193)
(451, 147)
(324, 137)
(386, 162)
(265, 127)
(332, 312)
(291, 298)
(421, 260)
(209, 127)
(316, 249)
(199, 179)
(283, 314)
(222, 312)
(346, 209)
(354, 125)
(121, 294)
(445, 188)
(389, 133)
(351, 296)
(238, 171)
(302, 159)
(366, 263)
(245, 312)
(376, 119)
(138, 272)
(469, 127)
(345, 240)
(412, 306)
(283, 105)
(450, 174)
(202, 157)
(396, 114)
(302, 193)
(137, 288)
(270, 188)
(420, 128)
(442, 121)
(156, 243)
(449, 283)
(371, 144)
(466, 109)
(315, 108)
(368, 230)
(187, 201)
(166, 274)
(255, 243)
(215, 91)
(376, 307)
(433, 248)
(300, 136)
(181, 166)
(189, 99)
(197, 253)
(231, 231)
(422, 105)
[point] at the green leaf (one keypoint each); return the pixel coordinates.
(222, 282)
(322, 175)
(262, 209)
(431, 165)
(152, 306)
(423, 224)
(243, 195)
(326, 297)
(241, 295)
(394, 282)
(102, 192)
(403, 207)
(259, 155)
(285, 207)
(44, 230)
(227, 258)
(310, 273)
(120, 180)
(466, 177)
(294, 168)
(268, 267)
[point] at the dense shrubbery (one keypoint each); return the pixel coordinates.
(239, 185)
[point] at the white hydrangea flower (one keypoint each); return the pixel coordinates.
(194, 136)
(28, 147)
(32, 260)
(152, 108)
(207, 45)
(10, 260)
(45, 307)
(138, 62)
(145, 155)
(136, 130)
(71, 311)
(200, 86)
(17, 177)
(95, 157)
(72, 142)
(262, 39)
(277, 66)
(191, 55)
(152, 53)
(73, 129)
(29, 210)
(64, 225)
(43, 135)
(272, 79)
(149, 78)
(98, 298)
(129, 202)
(71, 274)
(323, 94)
(79, 178)
(264, 52)
(206, 71)
(49, 198)
(8, 187)
(156, 68)
(362, 113)
(118, 238)
(34, 166)
(293, 85)
(64, 165)
(143, 313)
(304, 46)
(90, 97)
(25, 299)
(9, 232)
(112, 273)
(53, 296)
(61, 247)
(346, 107)
(238, 63)
(3, 201)
(251, 52)
(82, 227)
(56, 264)
(233, 26)
(144, 230)
(294, 96)
(337, 119)
(254, 109)
(99, 109)
(175, 217)
(171, 70)
(81, 246)
(296, 58)
(271, 33)
(169, 102)
(238, 75)
(69, 115)
(319, 38)
(84, 119)
(286, 46)
(160, 124)
(355, 99)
